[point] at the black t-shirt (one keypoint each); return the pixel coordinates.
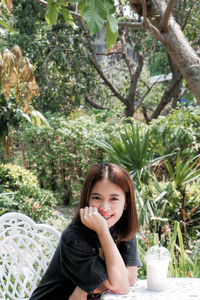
(78, 261)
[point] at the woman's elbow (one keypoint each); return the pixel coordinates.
(121, 290)
(132, 281)
(132, 275)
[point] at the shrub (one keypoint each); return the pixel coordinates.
(61, 154)
(178, 131)
(14, 177)
(163, 201)
(20, 191)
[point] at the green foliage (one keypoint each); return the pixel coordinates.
(182, 264)
(61, 154)
(158, 60)
(185, 171)
(111, 31)
(152, 203)
(179, 131)
(53, 8)
(131, 149)
(9, 115)
(5, 16)
(94, 12)
(153, 98)
(32, 201)
(161, 200)
(193, 19)
(20, 191)
(59, 53)
(14, 177)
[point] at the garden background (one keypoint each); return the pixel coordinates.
(63, 108)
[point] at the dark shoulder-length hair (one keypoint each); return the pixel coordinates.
(127, 225)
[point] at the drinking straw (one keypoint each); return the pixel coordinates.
(159, 241)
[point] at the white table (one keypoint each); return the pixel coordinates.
(176, 288)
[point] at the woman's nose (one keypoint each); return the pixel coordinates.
(104, 206)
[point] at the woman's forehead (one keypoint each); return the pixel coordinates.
(106, 185)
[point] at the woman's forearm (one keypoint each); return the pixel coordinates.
(118, 280)
(117, 274)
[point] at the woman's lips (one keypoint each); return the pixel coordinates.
(107, 217)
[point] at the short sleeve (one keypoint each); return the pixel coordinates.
(130, 253)
(82, 265)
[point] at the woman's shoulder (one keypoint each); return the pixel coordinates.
(128, 244)
(72, 229)
(75, 233)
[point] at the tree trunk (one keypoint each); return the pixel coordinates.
(171, 92)
(174, 40)
(67, 195)
(129, 110)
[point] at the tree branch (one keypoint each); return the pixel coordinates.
(148, 25)
(108, 83)
(94, 62)
(144, 13)
(164, 23)
(95, 105)
(129, 61)
(131, 25)
(167, 96)
(144, 111)
(188, 15)
(144, 96)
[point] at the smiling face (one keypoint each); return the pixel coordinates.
(109, 199)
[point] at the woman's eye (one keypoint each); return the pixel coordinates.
(96, 198)
(114, 199)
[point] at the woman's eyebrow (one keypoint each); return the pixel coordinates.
(95, 193)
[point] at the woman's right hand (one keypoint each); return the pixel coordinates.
(92, 219)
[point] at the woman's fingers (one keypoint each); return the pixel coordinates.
(89, 216)
(95, 210)
(85, 212)
(88, 211)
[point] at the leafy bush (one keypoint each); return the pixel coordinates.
(20, 191)
(179, 131)
(131, 149)
(61, 154)
(14, 177)
(161, 200)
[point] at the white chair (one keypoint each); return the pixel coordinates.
(26, 249)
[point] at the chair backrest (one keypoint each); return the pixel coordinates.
(26, 249)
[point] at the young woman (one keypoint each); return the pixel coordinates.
(97, 250)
